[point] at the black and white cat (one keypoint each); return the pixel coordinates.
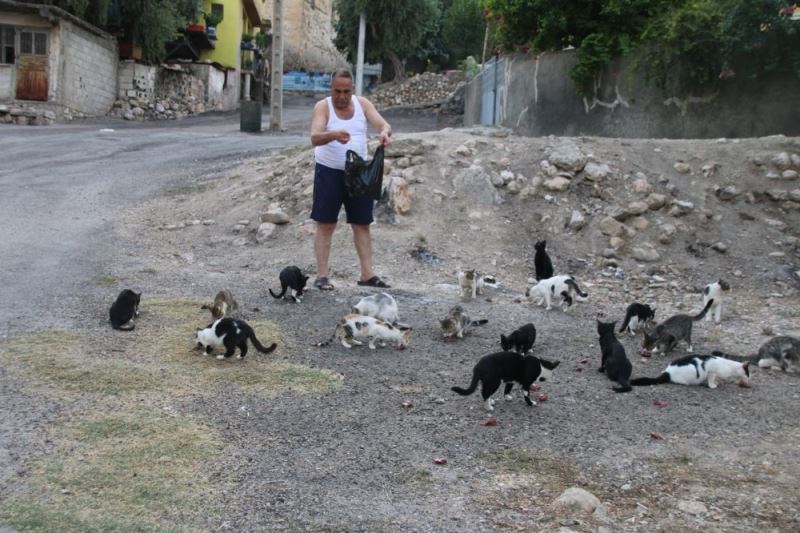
(544, 291)
(666, 335)
(457, 322)
(380, 305)
(292, 278)
(636, 316)
(613, 360)
(352, 329)
(521, 340)
(508, 367)
(124, 308)
(229, 333)
(699, 369)
(544, 267)
(713, 291)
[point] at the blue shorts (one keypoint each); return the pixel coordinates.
(329, 195)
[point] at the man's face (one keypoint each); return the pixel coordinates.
(341, 92)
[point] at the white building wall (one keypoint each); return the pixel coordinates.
(89, 81)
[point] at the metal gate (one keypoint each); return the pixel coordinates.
(32, 65)
(492, 81)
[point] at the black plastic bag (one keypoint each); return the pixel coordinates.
(364, 178)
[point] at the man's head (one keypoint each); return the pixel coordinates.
(341, 88)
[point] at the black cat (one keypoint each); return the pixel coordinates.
(507, 367)
(293, 278)
(544, 267)
(521, 340)
(124, 308)
(638, 315)
(231, 333)
(613, 360)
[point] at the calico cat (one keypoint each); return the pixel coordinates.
(676, 328)
(713, 291)
(699, 369)
(224, 304)
(544, 267)
(470, 283)
(124, 308)
(545, 289)
(613, 360)
(457, 322)
(229, 333)
(521, 340)
(507, 367)
(381, 306)
(638, 315)
(351, 328)
(293, 278)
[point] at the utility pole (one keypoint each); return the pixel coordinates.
(362, 30)
(276, 83)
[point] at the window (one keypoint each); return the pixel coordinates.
(40, 44)
(7, 45)
(33, 42)
(25, 42)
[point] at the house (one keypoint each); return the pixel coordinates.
(54, 61)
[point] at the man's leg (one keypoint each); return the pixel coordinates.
(322, 247)
(363, 242)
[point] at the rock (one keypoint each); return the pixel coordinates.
(567, 156)
(596, 172)
(636, 208)
(577, 221)
(655, 201)
(265, 231)
(668, 232)
(548, 168)
(774, 223)
(642, 186)
(610, 226)
(209, 222)
(475, 184)
(794, 195)
(767, 330)
(497, 180)
(557, 184)
(275, 217)
(241, 241)
(789, 174)
(308, 191)
(616, 243)
(406, 146)
(727, 193)
(462, 151)
(720, 247)
(640, 223)
(795, 161)
(513, 187)
(507, 176)
(680, 208)
(400, 196)
(692, 507)
(646, 253)
(527, 192)
(609, 253)
(709, 169)
(781, 161)
(682, 168)
(578, 499)
(238, 228)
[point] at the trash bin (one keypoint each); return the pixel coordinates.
(250, 116)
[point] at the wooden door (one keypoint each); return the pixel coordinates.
(32, 65)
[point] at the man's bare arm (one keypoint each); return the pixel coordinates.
(319, 120)
(376, 120)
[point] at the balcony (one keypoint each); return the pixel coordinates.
(256, 11)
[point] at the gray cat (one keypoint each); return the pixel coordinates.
(664, 336)
(782, 352)
(457, 322)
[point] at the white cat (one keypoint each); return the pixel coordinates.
(352, 328)
(699, 369)
(546, 289)
(713, 291)
(381, 306)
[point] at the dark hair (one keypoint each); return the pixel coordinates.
(343, 73)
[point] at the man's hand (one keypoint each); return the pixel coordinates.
(385, 137)
(341, 135)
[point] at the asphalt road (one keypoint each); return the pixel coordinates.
(61, 187)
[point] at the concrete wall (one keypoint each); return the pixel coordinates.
(136, 80)
(308, 36)
(537, 97)
(89, 76)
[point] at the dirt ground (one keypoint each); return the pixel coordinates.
(347, 440)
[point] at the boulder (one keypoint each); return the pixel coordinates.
(646, 253)
(475, 185)
(265, 231)
(655, 201)
(557, 184)
(577, 221)
(789, 174)
(781, 161)
(596, 172)
(568, 156)
(682, 168)
(578, 499)
(610, 226)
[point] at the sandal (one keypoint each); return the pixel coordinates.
(323, 284)
(374, 281)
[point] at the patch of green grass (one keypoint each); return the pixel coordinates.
(417, 477)
(106, 281)
(131, 472)
(523, 461)
(187, 189)
(148, 270)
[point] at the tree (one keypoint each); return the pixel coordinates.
(463, 28)
(395, 29)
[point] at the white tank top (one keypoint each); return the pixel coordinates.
(334, 153)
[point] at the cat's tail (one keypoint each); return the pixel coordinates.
(321, 344)
(704, 311)
(472, 386)
(259, 346)
(663, 378)
(738, 358)
(121, 327)
(571, 283)
(625, 386)
(278, 295)
(480, 322)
